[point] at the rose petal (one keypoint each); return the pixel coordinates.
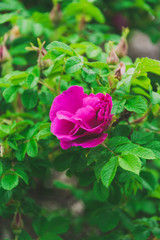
(86, 116)
(84, 142)
(69, 100)
(91, 100)
(65, 144)
(61, 128)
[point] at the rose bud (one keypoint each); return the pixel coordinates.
(4, 54)
(112, 58)
(82, 23)
(43, 63)
(79, 119)
(14, 33)
(17, 223)
(120, 70)
(122, 48)
(56, 14)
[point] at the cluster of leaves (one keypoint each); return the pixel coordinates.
(116, 184)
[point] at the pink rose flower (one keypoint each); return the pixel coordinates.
(79, 119)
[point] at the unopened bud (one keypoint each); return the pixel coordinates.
(56, 14)
(14, 33)
(17, 223)
(4, 54)
(112, 58)
(120, 70)
(122, 48)
(82, 23)
(43, 63)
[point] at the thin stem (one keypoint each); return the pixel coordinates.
(98, 81)
(16, 237)
(45, 84)
(103, 144)
(141, 118)
(59, 83)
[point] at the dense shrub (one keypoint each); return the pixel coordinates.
(106, 184)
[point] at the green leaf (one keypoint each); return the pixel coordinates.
(20, 172)
(58, 225)
(6, 17)
(32, 148)
(20, 61)
(130, 163)
(17, 50)
(31, 131)
(89, 75)
(126, 79)
(143, 152)
(20, 153)
(147, 65)
(122, 130)
(108, 171)
(46, 97)
(4, 130)
(156, 232)
(37, 29)
(10, 93)
(93, 51)
(18, 77)
(1, 168)
(31, 80)
(73, 64)
(101, 193)
(118, 106)
(40, 225)
(12, 143)
(149, 181)
(142, 137)
(24, 236)
(155, 98)
(44, 133)
(136, 104)
(155, 147)
(29, 98)
(63, 161)
(98, 65)
(106, 219)
(9, 181)
(115, 141)
(49, 236)
(126, 147)
(61, 47)
(25, 26)
(84, 8)
(141, 232)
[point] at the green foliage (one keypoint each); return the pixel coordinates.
(130, 162)
(9, 181)
(108, 192)
(109, 170)
(73, 64)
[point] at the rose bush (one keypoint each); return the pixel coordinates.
(96, 193)
(79, 119)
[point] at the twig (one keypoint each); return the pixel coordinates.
(103, 144)
(45, 84)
